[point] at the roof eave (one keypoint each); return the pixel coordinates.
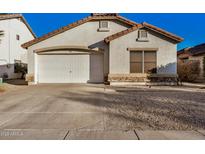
(163, 32)
(171, 36)
(18, 15)
(75, 24)
(28, 26)
(122, 33)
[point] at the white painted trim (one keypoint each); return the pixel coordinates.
(35, 68)
(143, 62)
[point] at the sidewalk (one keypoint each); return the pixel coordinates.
(136, 135)
(199, 85)
(56, 134)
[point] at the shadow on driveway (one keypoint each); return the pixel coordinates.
(147, 109)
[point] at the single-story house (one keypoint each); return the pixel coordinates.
(196, 53)
(102, 47)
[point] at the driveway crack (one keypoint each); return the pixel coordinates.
(137, 135)
(66, 135)
(199, 132)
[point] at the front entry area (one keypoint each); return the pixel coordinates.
(70, 68)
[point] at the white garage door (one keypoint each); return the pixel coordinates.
(70, 68)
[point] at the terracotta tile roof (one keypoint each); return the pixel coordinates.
(194, 51)
(163, 32)
(198, 49)
(183, 51)
(92, 17)
(146, 25)
(104, 14)
(18, 16)
(9, 16)
(122, 33)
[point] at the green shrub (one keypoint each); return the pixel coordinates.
(20, 68)
(188, 71)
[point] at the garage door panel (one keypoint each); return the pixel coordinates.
(63, 68)
(70, 68)
(79, 68)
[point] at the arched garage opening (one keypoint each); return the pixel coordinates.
(69, 64)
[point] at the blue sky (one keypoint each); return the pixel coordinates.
(189, 26)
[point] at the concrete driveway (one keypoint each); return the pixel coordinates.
(71, 111)
(48, 107)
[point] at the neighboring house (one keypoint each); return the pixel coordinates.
(14, 30)
(102, 47)
(196, 53)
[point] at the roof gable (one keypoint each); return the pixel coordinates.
(144, 25)
(106, 16)
(17, 16)
(196, 50)
(92, 17)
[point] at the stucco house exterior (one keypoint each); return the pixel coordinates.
(100, 48)
(196, 53)
(14, 30)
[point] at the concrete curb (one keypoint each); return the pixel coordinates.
(65, 134)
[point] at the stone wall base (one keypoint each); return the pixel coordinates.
(127, 77)
(142, 79)
(143, 83)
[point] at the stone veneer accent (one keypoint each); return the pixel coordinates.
(30, 77)
(127, 77)
(162, 79)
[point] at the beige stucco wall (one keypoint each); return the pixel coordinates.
(119, 57)
(84, 35)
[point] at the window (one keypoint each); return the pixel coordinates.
(135, 62)
(143, 35)
(150, 62)
(143, 61)
(103, 26)
(1, 35)
(17, 37)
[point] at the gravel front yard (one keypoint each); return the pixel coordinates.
(149, 108)
(159, 109)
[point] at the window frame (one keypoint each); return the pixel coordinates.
(103, 29)
(136, 61)
(143, 60)
(150, 61)
(1, 35)
(140, 38)
(17, 37)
